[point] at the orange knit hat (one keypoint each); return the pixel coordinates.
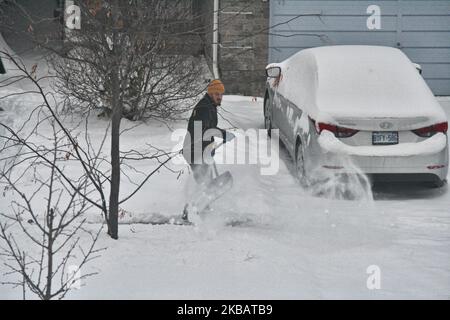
(216, 86)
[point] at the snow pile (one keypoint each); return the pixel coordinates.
(371, 81)
(333, 183)
(298, 81)
(281, 244)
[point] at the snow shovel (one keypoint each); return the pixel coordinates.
(211, 192)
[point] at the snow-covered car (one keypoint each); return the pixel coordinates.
(368, 104)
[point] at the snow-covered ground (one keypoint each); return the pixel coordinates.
(287, 244)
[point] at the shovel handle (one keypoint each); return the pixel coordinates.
(215, 169)
(214, 163)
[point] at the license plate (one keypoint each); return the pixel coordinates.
(384, 138)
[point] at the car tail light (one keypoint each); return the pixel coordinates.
(339, 132)
(332, 167)
(432, 130)
(437, 166)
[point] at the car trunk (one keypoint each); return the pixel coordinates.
(383, 123)
(379, 86)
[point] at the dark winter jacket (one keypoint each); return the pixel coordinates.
(206, 112)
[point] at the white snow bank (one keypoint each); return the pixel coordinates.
(310, 246)
(152, 218)
(357, 81)
(433, 145)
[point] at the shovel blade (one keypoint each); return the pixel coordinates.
(213, 190)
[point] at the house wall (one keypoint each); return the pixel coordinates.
(421, 29)
(46, 26)
(15, 27)
(243, 43)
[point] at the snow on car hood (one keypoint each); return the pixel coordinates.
(336, 82)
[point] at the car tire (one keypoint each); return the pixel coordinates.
(438, 183)
(300, 170)
(267, 120)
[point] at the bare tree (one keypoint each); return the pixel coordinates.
(93, 163)
(124, 59)
(136, 50)
(45, 240)
(130, 58)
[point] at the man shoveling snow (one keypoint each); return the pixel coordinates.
(199, 147)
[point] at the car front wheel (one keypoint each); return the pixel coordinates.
(300, 166)
(267, 121)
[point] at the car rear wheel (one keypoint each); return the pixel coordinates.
(267, 120)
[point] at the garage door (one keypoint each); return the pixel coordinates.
(420, 28)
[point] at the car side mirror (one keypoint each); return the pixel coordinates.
(273, 72)
(418, 67)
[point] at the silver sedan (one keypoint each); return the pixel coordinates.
(338, 108)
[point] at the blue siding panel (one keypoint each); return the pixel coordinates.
(421, 28)
(429, 55)
(332, 23)
(314, 39)
(293, 7)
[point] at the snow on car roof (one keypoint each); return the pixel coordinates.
(357, 81)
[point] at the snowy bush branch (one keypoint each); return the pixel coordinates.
(44, 233)
(75, 148)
